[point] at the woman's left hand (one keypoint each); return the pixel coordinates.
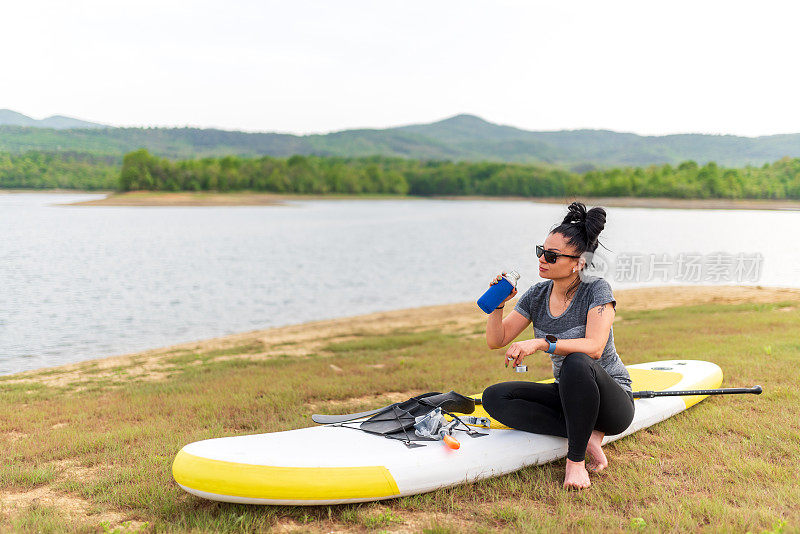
(519, 349)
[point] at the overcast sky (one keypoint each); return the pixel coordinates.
(306, 67)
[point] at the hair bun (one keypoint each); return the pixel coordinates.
(591, 222)
(577, 214)
(595, 222)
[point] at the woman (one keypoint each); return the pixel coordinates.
(572, 317)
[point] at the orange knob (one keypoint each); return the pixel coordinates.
(452, 442)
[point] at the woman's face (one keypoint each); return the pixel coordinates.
(563, 266)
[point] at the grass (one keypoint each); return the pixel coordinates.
(728, 464)
(37, 518)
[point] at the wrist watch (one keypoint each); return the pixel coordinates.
(552, 340)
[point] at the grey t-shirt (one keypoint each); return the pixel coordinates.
(535, 305)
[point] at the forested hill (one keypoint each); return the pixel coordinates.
(460, 138)
(603, 148)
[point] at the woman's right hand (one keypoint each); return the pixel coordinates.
(513, 291)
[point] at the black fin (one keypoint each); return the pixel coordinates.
(451, 402)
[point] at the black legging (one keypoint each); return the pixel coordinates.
(587, 399)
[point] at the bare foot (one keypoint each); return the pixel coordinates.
(597, 460)
(576, 476)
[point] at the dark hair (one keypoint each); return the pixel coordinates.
(581, 229)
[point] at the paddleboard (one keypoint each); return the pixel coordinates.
(331, 464)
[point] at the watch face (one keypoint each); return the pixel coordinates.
(551, 338)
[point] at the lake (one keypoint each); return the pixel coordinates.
(80, 282)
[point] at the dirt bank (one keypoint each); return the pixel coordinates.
(303, 339)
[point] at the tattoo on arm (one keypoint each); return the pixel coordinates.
(600, 311)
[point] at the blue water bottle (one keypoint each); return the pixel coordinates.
(498, 292)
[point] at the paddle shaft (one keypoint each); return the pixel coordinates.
(721, 391)
(325, 419)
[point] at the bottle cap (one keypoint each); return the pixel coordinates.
(513, 277)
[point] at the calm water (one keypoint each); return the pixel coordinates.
(85, 282)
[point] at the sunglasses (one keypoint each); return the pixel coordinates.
(549, 255)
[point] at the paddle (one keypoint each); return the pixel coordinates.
(325, 419)
(721, 391)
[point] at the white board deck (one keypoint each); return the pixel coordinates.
(330, 464)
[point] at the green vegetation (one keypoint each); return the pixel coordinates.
(301, 174)
(378, 175)
(297, 174)
(726, 465)
(58, 170)
(460, 138)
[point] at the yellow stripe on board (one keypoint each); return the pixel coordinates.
(652, 380)
(287, 483)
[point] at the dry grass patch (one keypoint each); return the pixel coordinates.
(40, 507)
(364, 400)
(71, 508)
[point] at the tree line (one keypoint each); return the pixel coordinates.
(59, 170)
(141, 170)
(382, 175)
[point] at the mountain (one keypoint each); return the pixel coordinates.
(56, 122)
(16, 119)
(479, 139)
(60, 122)
(465, 128)
(463, 137)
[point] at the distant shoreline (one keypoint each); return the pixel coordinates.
(188, 198)
(140, 198)
(15, 191)
(272, 199)
(656, 202)
(239, 198)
